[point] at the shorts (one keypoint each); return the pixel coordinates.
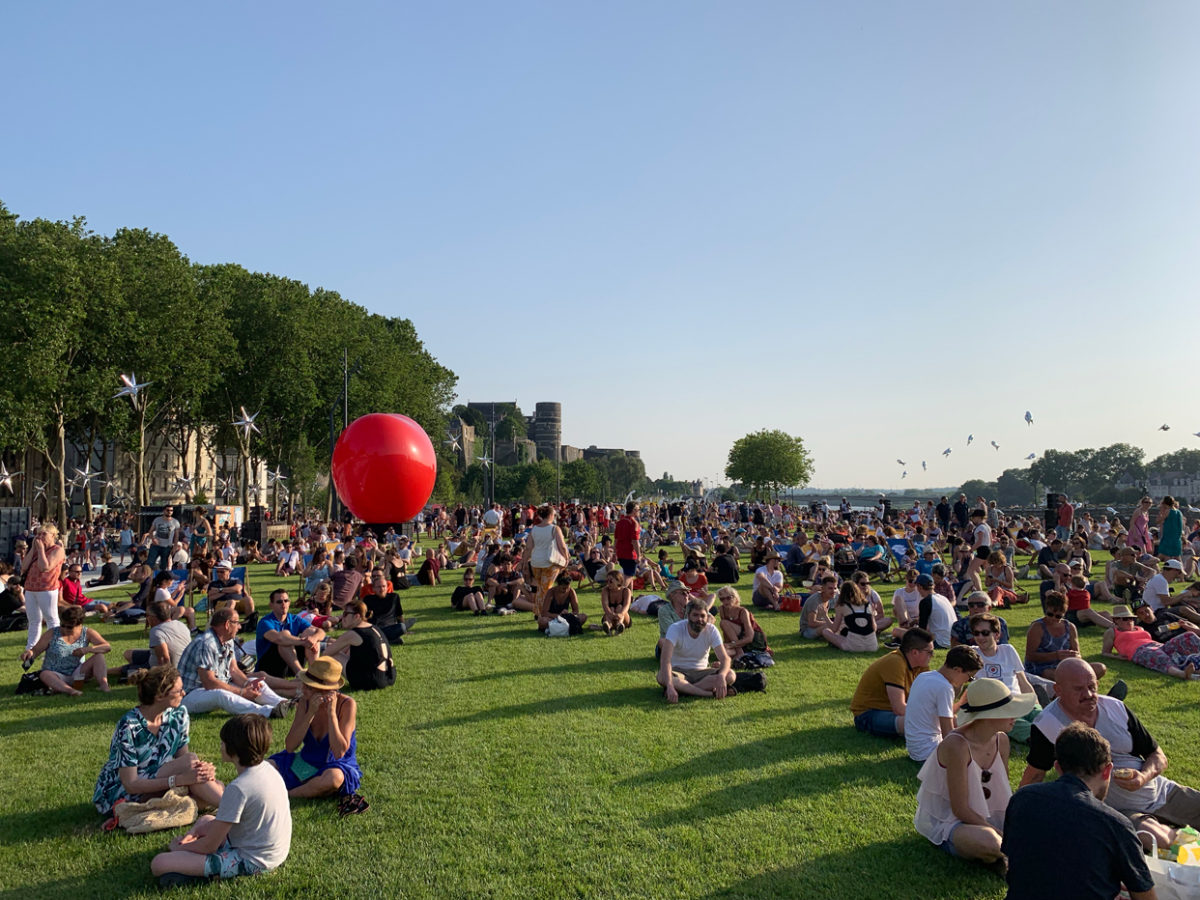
(879, 722)
(628, 566)
(1073, 618)
(694, 676)
(948, 844)
(140, 659)
(228, 862)
(983, 552)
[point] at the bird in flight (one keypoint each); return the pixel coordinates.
(1032, 456)
(994, 444)
(1164, 427)
(924, 468)
(946, 452)
(902, 462)
(1028, 417)
(970, 437)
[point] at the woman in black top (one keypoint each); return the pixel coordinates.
(363, 651)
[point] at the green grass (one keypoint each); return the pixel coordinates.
(504, 764)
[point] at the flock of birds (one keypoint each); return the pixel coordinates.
(971, 439)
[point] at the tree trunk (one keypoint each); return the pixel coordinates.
(200, 458)
(141, 495)
(60, 449)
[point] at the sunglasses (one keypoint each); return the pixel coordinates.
(1051, 615)
(982, 633)
(985, 778)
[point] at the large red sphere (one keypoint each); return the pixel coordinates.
(384, 467)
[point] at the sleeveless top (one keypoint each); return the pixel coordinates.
(1048, 644)
(1127, 642)
(58, 654)
(543, 545)
(936, 820)
(859, 621)
(362, 668)
(559, 605)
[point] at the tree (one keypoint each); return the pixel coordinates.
(1181, 460)
(769, 460)
(977, 487)
(1013, 488)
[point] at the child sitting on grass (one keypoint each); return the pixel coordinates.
(252, 829)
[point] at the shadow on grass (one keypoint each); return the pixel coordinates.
(799, 709)
(49, 823)
(618, 697)
(588, 666)
(840, 874)
(73, 715)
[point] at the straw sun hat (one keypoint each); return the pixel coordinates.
(988, 698)
(323, 674)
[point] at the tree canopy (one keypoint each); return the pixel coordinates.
(769, 460)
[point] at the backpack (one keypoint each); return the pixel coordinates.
(750, 681)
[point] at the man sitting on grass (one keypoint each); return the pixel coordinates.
(684, 668)
(212, 680)
(881, 699)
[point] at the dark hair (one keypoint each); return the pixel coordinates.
(1054, 600)
(71, 616)
(160, 609)
(630, 507)
(153, 683)
(978, 512)
(543, 512)
(914, 639)
(985, 619)
(247, 738)
(163, 577)
(563, 578)
(275, 593)
(964, 657)
(1082, 751)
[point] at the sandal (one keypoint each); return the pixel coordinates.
(352, 804)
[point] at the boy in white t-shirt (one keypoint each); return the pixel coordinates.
(929, 715)
(252, 829)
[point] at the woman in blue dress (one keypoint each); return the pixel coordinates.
(319, 755)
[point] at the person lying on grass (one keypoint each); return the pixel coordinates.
(1178, 657)
(684, 667)
(149, 752)
(251, 831)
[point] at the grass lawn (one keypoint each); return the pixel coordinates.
(504, 764)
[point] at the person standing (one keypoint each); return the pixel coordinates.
(164, 532)
(627, 534)
(1170, 529)
(42, 572)
(546, 552)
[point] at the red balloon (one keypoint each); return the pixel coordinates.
(384, 467)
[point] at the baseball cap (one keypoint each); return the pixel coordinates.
(925, 580)
(1173, 564)
(224, 564)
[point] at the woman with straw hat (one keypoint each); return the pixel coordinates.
(319, 755)
(964, 785)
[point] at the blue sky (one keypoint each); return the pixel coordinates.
(879, 226)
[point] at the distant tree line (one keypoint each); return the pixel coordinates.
(81, 308)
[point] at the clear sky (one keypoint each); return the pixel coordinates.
(880, 226)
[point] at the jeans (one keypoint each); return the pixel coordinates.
(202, 700)
(163, 554)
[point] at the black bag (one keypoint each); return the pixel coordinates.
(750, 681)
(32, 685)
(17, 621)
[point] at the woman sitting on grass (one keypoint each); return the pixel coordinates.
(738, 628)
(853, 628)
(615, 599)
(1051, 639)
(1001, 662)
(65, 645)
(964, 785)
(319, 756)
(1179, 657)
(363, 650)
(560, 600)
(149, 752)
(251, 831)
(1000, 580)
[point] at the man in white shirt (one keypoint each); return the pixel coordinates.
(929, 714)
(1157, 591)
(934, 613)
(684, 668)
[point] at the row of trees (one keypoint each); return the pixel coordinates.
(1088, 474)
(81, 308)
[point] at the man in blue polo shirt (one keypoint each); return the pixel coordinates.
(283, 640)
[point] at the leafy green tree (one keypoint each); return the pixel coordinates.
(1182, 460)
(977, 487)
(769, 460)
(1013, 488)
(580, 480)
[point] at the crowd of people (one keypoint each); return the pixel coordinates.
(956, 720)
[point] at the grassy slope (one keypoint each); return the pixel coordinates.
(506, 764)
